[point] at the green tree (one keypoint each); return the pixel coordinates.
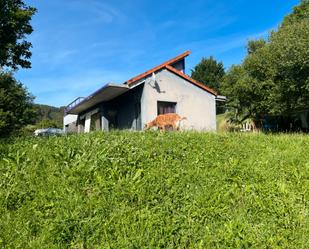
(254, 45)
(209, 72)
(46, 123)
(51, 113)
(16, 107)
(274, 77)
(15, 18)
(300, 12)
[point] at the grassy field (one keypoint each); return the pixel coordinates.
(151, 190)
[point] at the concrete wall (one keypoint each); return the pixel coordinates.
(193, 102)
(70, 123)
(69, 118)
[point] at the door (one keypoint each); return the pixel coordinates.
(112, 119)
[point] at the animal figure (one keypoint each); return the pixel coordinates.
(164, 120)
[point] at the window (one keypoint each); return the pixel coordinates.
(166, 107)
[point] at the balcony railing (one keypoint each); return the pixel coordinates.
(73, 104)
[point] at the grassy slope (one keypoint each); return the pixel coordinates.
(150, 190)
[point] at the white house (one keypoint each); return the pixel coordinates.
(163, 89)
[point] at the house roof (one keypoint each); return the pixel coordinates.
(168, 66)
(157, 68)
(105, 93)
(111, 91)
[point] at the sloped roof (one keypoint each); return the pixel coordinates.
(110, 91)
(157, 68)
(167, 65)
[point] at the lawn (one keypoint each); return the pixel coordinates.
(152, 190)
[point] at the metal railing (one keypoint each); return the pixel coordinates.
(74, 103)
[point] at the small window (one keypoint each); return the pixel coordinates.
(166, 107)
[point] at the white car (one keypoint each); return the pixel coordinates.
(48, 132)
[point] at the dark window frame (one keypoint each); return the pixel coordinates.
(164, 107)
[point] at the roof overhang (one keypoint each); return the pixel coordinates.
(221, 98)
(106, 93)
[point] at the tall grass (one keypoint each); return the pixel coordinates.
(151, 190)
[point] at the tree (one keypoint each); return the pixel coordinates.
(300, 12)
(274, 77)
(46, 123)
(254, 45)
(289, 47)
(209, 72)
(51, 113)
(16, 107)
(15, 18)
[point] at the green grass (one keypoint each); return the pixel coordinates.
(152, 190)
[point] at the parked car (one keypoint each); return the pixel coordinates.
(48, 132)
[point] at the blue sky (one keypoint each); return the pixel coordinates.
(79, 45)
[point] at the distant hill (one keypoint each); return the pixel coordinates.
(46, 112)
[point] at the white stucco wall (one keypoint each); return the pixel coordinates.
(69, 119)
(194, 103)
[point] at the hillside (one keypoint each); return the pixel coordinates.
(152, 190)
(50, 113)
